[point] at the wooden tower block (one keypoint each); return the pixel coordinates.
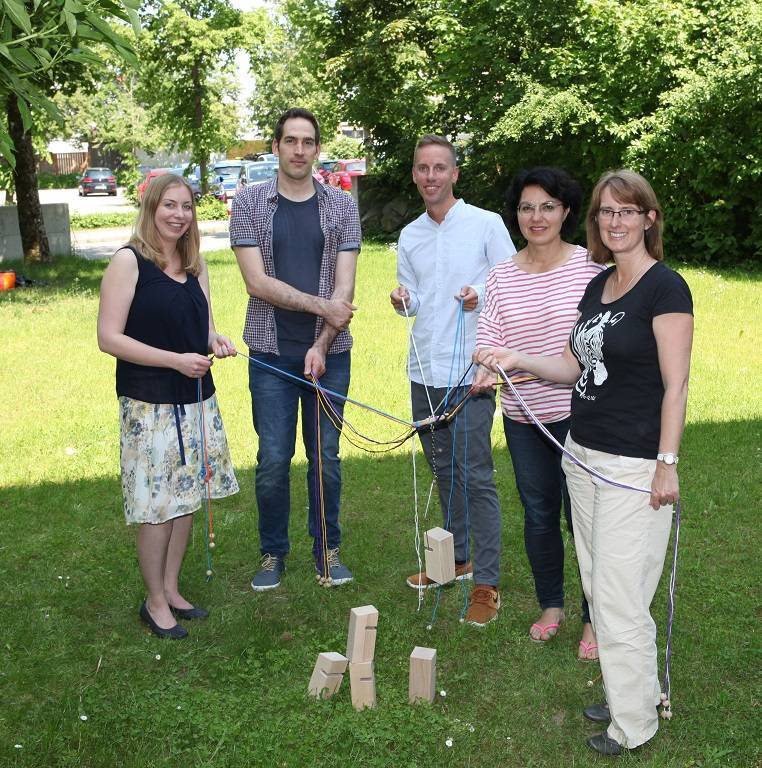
(423, 675)
(362, 681)
(439, 552)
(327, 675)
(361, 640)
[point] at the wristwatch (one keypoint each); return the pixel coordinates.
(667, 458)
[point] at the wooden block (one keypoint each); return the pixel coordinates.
(327, 675)
(361, 639)
(423, 675)
(362, 681)
(439, 552)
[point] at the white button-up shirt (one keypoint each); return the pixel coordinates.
(434, 261)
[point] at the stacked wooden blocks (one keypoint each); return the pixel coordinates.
(361, 649)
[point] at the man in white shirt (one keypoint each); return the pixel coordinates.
(443, 258)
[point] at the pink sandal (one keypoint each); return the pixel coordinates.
(544, 630)
(586, 651)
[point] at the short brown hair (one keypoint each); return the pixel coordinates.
(296, 112)
(146, 238)
(627, 187)
(432, 139)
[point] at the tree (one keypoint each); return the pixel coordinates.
(41, 51)
(186, 53)
(287, 63)
(104, 109)
(671, 88)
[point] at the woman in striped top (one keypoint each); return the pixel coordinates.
(531, 305)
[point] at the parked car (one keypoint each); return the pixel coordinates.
(193, 175)
(97, 181)
(152, 174)
(267, 157)
(343, 170)
(324, 168)
(225, 176)
(256, 173)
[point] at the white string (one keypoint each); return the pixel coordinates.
(417, 535)
(417, 527)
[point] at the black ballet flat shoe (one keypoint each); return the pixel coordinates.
(598, 713)
(189, 613)
(603, 744)
(173, 633)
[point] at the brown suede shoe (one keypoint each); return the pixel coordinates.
(483, 605)
(422, 581)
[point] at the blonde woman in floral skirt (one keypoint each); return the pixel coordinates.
(155, 318)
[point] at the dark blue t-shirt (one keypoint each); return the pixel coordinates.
(298, 254)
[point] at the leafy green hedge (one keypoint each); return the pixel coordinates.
(99, 220)
(207, 209)
(47, 180)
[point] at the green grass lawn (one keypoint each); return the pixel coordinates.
(234, 693)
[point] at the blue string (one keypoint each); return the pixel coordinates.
(306, 382)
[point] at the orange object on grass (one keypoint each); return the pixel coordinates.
(7, 281)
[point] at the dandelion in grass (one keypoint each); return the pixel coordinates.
(448, 741)
(83, 718)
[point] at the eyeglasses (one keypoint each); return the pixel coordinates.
(625, 214)
(527, 209)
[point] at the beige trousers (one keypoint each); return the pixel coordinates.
(621, 543)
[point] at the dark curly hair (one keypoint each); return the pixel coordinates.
(557, 183)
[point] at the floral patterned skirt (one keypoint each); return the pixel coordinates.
(162, 459)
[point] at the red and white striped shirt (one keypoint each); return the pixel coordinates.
(534, 313)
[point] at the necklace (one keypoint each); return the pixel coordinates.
(610, 285)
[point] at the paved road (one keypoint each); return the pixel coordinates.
(101, 243)
(89, 204)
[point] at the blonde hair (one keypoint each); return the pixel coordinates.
(627, 187)
(146, 238)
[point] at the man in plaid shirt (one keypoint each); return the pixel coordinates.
(296, 242)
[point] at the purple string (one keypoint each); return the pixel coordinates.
(673, 575)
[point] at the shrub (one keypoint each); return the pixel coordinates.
(209, 208)
(98, 220)
(46, 180)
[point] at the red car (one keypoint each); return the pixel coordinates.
(152, 174)
(344, 170)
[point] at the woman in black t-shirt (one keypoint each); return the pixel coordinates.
(155, 318)
(628, 358)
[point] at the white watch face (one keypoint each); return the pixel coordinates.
(668, 458)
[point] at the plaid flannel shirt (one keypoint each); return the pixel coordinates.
(251, 224)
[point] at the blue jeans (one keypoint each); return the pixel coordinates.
(275, 402)
(541, 484)
(460, 456)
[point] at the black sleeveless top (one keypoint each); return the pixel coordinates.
(168, 315)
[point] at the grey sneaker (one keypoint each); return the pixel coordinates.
(338, 573)
(269, 573)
